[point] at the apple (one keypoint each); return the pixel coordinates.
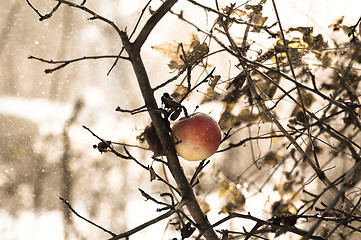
(196, 137)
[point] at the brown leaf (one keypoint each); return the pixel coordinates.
(152, 138)
(179, 91)
(282, 208)
(153, 176)
(171, 50)
(214, 81)
(228, 120)
(224, 188)
(247, 116)
(235, 198)
(272, 158)
(210, 96)
(259, 21)
(336, 25)
(183, 54)
(232, 96)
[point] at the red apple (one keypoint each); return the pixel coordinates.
(197, 137)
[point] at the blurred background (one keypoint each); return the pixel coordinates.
(45, 153)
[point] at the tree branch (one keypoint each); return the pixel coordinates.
(152, 21)
(149, 223)
(63, 63)
(160, 124)
(85, 219)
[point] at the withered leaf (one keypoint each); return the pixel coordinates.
(183, 54)
(235, 198)
(228, 120)
(336, 25)
(210, 96)
(327, 59)
(232, 96)
(170, 50)
(272, 158)
(224, 188)
(214, 80)
(152, 138)
(179, 92)
(247, 116)
(259, 21)
(281, 208)
(153, 176)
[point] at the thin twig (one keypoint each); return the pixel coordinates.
(46, 16)
(63, 63)
(333, 203)
(130, 157)
(130, 36)
(267, 223)
(147, 224)
(85, 219)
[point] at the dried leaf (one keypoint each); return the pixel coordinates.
(336, 26)
(266, 118)
(228, 120)
(346, 29)
(210, 96)
(152, 138)
(327, 59)
(235, 199)
(247, 116)
(183, 54)
(152, 173)
(259, 21)
(214, 80)
(224, 188)
(170, 50)
(356, 177)
(233, 12)
(308, 99)
(232, 96)
(272, 158)
(179, 91)
(304, 30)
(196, 54)
(281, 208)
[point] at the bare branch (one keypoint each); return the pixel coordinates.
(64, 63)
(85, 219)
(152, 21)
(149, 223)
(46, 16)
(131, 35)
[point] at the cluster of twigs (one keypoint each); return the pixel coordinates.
(306, 131)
